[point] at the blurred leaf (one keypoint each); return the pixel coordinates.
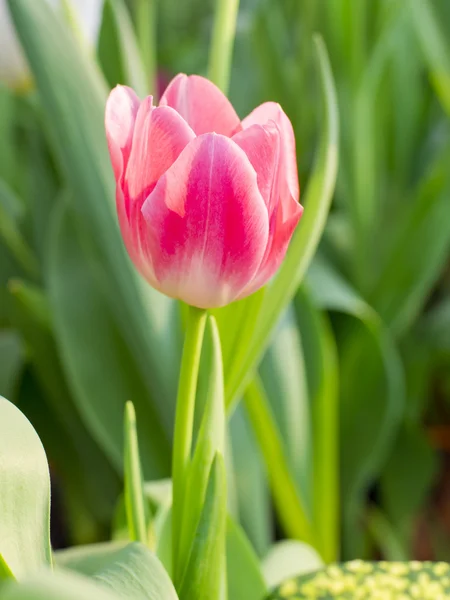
(321, 365)
(435, 47)
(244, 577)
(25, 494)
(421, 248)
(283, 374)
(83, 467)
(11, 361)
(91, 344)
(252, 488)
(202, 578)
(73, 96)
(404, 491)
(5, 571)
(372, 395)
(386, 538)
(10, 208)
(57, 586)
(305, 240)
(288, 559)
(129, 50)
(131, 571)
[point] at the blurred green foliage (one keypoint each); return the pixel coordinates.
(359, 365)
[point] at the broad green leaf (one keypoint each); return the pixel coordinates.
(371, 404)
(132, 571)
(306, 238)
(24, 494)
(282, 372)
(73, 96)
(84, 470)
(134, 493)
(47, 585)
(290, 505)
(92, 344)
(203, 577)
(288, 559)
(210, 440)
(321, 363)
(371, 580)
(137, 574)
(244, 577)
(251, 483)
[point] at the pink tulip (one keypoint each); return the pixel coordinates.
(207, 204)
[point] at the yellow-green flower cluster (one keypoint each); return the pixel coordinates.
(359, 580)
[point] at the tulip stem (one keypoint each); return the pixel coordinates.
(184, 419)
(222, 42)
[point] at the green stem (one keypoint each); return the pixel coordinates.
(146, 31)
(184, 418)
(222, 42)
(134, 493)
(288, 503)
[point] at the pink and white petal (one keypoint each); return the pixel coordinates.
(276, 251)
(120, 116)
(202, 105)
(261, 144)
(271, 111)
(135, 236)
(159, 137)
(208, 223)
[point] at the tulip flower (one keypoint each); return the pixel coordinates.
(14, 71)
(207, 204)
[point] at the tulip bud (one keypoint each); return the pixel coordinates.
(14, 71)
(207, 204)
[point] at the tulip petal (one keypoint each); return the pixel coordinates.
(271, 111)
(261, 144)
(207, 223)
(202, 105)
(120, 116)
(160, 134)
(276, 251)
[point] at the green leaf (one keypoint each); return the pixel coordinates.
(11, 361)
(129, 50)
(306, 238)
(73, 96)
(371, 405)
(136, 574)
(414, 579)
(25, 494)
(5, 571)
(435, 48)
(57, 586)
(321, 362)
(288, 559)
(244, 577)
(134, 493)
(252, 490)
(203, 578)
(210, 441)
(290, 505)
(132, 571)
(91, 344)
